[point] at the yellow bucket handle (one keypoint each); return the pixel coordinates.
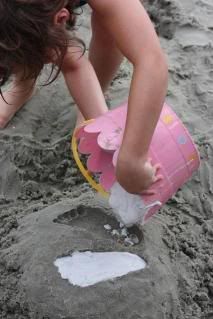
(83, 170)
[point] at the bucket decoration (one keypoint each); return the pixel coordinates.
(171, 147)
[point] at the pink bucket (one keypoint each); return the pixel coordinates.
(171, 147)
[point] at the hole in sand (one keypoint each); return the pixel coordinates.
(89, 268)
(105, 226)
(82, 210)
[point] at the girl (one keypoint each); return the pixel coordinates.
(34, 32)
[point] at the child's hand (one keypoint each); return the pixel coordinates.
(136, 175)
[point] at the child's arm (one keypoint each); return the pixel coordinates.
(129, 24)
(83, 84)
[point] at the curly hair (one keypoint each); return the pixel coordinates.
(28, 33)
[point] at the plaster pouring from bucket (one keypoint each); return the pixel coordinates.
(171, 147)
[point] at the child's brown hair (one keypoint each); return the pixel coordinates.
(28, 33)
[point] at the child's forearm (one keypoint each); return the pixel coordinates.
(147, 94)
(140, 45)
(85, 89)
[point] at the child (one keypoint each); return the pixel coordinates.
(34, 32)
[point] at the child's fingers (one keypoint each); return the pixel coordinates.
(148, 192)
(157, 178)
(157, 167)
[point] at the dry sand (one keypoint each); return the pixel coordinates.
(47, 209)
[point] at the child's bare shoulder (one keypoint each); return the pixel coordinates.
(104, 6)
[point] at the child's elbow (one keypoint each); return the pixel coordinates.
(162, 62)
(158, 67)
(72, 61)
(154, 62)
(159, 64)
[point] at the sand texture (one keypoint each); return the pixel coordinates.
(47, 210)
